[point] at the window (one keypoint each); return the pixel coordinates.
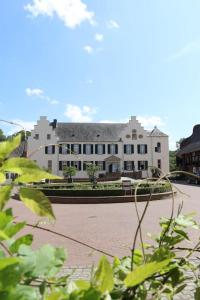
(50, 149)
(129, 166)
(100, 149)
(64, 149)
(142, 165)
(49, 165)
(87, 149)
(101, 165)
(158, 148)
(112, 149)
(128, 149)
(36, 137)
(48, 136)
(76, 149)
(159, 163)
(63, 164)
(76, 164)
(142, 148)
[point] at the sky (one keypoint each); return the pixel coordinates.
(101, 61)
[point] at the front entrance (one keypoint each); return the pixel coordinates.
(113, 167)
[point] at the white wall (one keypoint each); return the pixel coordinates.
(36, 148)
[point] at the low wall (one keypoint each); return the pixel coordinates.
(107, 199)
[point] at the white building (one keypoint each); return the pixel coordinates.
(114, 147)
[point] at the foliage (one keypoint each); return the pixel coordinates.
(2, 136)
(172, 161)
(92, 170)
(69, 172)
(156, 271)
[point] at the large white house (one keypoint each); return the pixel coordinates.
(114, 147)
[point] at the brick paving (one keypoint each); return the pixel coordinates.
(107, 227)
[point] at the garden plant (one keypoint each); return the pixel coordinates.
(154, 271)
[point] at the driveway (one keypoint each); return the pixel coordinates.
(91, 229)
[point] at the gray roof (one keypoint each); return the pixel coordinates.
(89, 132)
(157, 132)
(192, 143)
(189, 148)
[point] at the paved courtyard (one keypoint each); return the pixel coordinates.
(105, 227)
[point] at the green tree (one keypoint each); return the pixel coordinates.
(172, 161)
(69, 172)
(2, 136)
(92, 170)
(24, 135)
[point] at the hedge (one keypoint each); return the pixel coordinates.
(162, 188)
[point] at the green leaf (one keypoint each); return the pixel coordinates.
(19, 165)
(186, 221)
(145, 271)
(24, 293)
(8, 261)
(5, 192)
(182, 233)
(13, 229)
(55, 296)
(3, 235)
(2, 178)
(7, 147)
(28, 170)
(103, 276)
(37, 202)
(24, 240)
(82, 284)
(180, 288)
(197, 293)
(161, 254)
(47, 261)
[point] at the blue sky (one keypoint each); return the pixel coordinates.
(101, 60)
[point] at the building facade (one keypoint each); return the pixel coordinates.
(188, 156)
(114, 147)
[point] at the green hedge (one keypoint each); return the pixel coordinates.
(89, 192)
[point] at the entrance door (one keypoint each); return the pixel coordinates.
(110, 168)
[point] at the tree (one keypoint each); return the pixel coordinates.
(172, 161)
(92, 170)
(22, 133)
(2, 136)
(69, 172)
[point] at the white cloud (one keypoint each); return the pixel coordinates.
(39, 93)
(71, 12)
(148, 122)
(88, 49)
(99, 37)
(186, 50)
(34, 92)
(79, 114)
(113, 122)
(112, 24)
